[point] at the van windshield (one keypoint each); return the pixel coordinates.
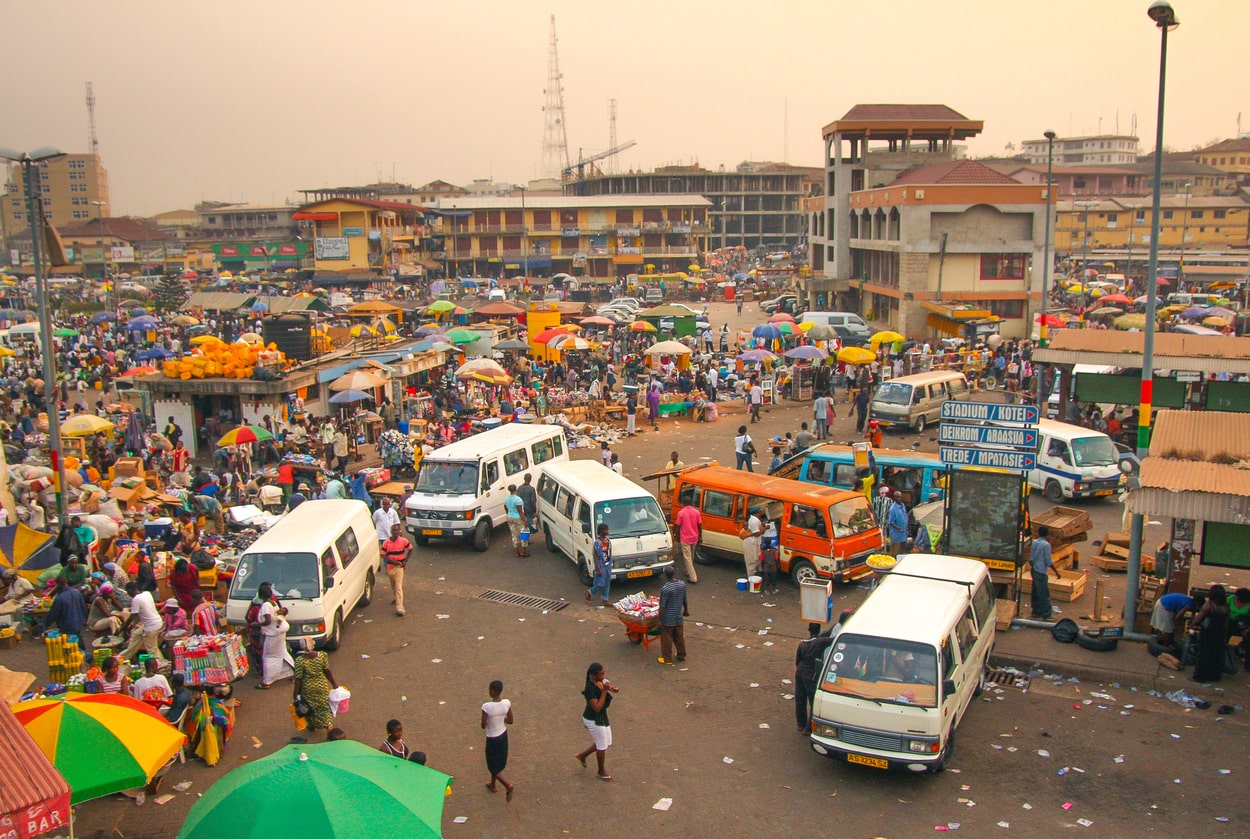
(882, 670)
(1094, 451)
(851, 517)
(294, 575)
(893, 393)
(447, 477)
(631, 517)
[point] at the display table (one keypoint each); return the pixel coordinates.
(668, 409)
(210, 659)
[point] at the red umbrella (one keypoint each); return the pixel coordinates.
(1114, 298)
(138, 371)
(547, 334)
(781, 317)
(1052, 320)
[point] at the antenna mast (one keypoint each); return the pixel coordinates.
(93, 142)
(555, 134)
(612, 134)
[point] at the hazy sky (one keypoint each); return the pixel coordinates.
(251, 100)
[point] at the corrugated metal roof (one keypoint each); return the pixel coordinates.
(1198, 468)
(1202, 353)
(218, 301)
(1216, 437)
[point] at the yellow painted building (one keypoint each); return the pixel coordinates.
(351, 234)
(1206, 223)
(1231, 156)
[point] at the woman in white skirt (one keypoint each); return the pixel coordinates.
(598, 693)
(276, 661)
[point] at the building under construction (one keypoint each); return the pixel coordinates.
(754, 205)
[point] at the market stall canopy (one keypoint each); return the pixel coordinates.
(499, 309)
(347, 397)
(820, 332)
(142, 323)
(372, 308)
(315, 790)
(244, 434)
(756, 356)
(807, 351)
(101, 743)
(84, 425)
(483, 370)
(856, 355)
(668, 348)
(886, 336)
(511, 344)
(357, 380)
(34, 797)
(642, 326)
(781, 317)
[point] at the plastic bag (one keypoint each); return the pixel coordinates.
(300, 722)
(340, 698)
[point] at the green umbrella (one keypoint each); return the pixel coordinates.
(66, 333)
(441, 306)
(461, 336)
(318, 791)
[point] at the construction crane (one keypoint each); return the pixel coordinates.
(577, 172)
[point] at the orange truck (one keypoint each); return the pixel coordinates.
(822, 532)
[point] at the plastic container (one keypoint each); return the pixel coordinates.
(742, 584)
(491, 422)
(402, 425)
(157, 528)
(755, 583)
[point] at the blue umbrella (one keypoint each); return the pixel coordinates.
(807, 351)
(143, 323)
(153, 354)
(137, 312)
(1196, 312)
(346, 397)
(260, 306)
(740, 276)
(103, 317)
(767, 331)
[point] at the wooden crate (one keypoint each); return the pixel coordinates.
(1066, 556)
(1064, 522)
(1005, 612)
(1067, 589)
(1121, 539)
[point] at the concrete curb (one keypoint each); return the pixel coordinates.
(1084, 672)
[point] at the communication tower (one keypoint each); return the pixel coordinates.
(555, 134)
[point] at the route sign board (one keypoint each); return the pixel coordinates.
(957, 411)
(1022, 439)
(990, 458)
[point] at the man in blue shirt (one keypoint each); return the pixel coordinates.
(1167, 610)
(69, 610)
(896, 523)
(1040, 561)
(673, 611)
(360, 490)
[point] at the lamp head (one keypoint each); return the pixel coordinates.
(1050, 135)
(1162, 13)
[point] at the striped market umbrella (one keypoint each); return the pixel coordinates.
(244, 434)
(101, 743)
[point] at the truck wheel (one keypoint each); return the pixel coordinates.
(481, 536)
(334, 636)
(551, 545)
(423, 541)
(803, 571)
(1054, 492)
(366, 596)
(921, 422)
(702, 557)
(1098, 645)
(584, 571)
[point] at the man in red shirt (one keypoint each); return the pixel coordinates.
(689, 532)
(396, 551)
(181, 457)
(286, 480)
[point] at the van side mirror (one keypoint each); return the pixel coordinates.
(586, 528)
(948, 687)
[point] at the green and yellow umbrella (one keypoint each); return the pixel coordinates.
(440, 306)
(244, 434)
(101, 743)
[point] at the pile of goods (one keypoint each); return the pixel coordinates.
(305, 461)
(210, 659)
(396, 449)
(64, 655)
(639, 608)
(376, 476)
(214, 357)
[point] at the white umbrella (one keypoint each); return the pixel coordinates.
(668, 348)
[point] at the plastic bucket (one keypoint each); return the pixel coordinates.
(742, 584)
(402, 426)
(755, 584)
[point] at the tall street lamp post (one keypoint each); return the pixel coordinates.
(1086, 206)
(1164, 16)
(29, 163)
(1128, 270)
(1041, 329)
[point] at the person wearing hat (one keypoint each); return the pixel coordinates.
(173, 616)
(21, 590)
(116, 575)
(298, 497)
(106, 615)
(873, 434)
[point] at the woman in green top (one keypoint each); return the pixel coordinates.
(1239, 621)
(313, 681)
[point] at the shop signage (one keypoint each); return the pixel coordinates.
(332, 247)
(353, 231)
(121, 253)
(987, 458)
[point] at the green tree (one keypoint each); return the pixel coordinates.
(171, 293)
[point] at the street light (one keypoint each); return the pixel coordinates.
(28, 162)
(1041, 331)
(1132, 220)
(1180, 270)
(1164, 16)
(1086, 206)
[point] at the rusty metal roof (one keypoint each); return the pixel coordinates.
(1173, 351)
(1198, 467)
(1214, 437)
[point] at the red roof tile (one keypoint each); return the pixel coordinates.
(1242, 144)
(122, 227)
(864, 113)
(955, 172)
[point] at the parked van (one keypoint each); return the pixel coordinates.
(323, 560)
(919, 476)
(903, 669)
(1052, 402)
(459, 489)
(849, 320)
(1075, 462)
(576, 496)
(822, 532)
(915, 401)
(1185, 298)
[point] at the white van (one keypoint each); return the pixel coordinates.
(902, 671)
(850, 320)
(575, 497)
(323, 560)
(460, 489)
(1074, 462)
(915, 401)
(1052, 402)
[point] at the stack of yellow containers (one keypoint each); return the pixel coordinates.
(216, 358)
(64, 656)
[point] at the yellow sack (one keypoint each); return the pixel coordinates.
(300, 722)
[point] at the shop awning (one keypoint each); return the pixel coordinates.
(34, 798)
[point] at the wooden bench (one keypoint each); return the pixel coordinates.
(603, 411)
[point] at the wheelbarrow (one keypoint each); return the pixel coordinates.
(640, 632)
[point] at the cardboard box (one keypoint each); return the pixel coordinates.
(1070, 587)
(128, 467)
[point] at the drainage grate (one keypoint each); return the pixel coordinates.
(525, 601)
(1007, 678)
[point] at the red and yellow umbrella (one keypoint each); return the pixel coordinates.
(547, 334)
(641, 326)
(244, 434)
(101, 743)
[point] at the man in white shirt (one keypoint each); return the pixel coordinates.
(384, 518)
(143, 608)
(756, 399)
(712, 377)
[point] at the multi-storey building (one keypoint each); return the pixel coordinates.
(233, 222)
(1098, 150)
(74, 189)
(755, 205)
(1230, 156)
(604, 236)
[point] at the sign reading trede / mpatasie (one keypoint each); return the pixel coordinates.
(988, 434)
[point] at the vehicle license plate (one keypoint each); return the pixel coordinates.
(1104, 492)
(431, 533)
(632, 574)
(874, 762)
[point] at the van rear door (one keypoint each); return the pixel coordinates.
(721, 511)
